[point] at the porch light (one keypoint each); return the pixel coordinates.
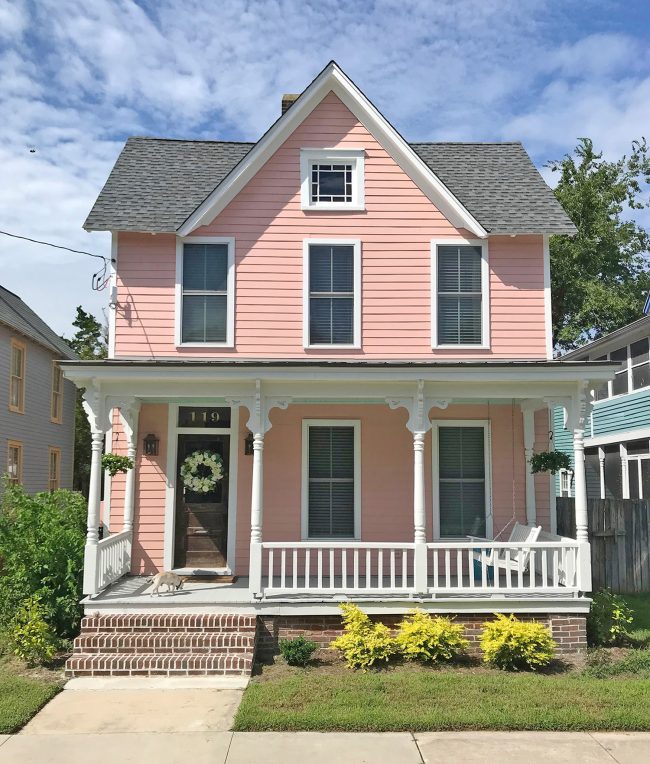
(151, 445)
(248, 445)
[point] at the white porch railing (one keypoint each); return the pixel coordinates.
(107, 561)
(456, 568)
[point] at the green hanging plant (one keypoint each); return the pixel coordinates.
(549, 461)
(114, 463)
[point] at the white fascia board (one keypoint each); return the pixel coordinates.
(333, 79)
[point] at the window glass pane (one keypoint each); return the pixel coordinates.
(613, 476)
(448, 270)
(592, 470)
(645, 478)
(331, 319)
(459, 314)
(320, 268)
(320, 321)
(470, 320)
(637, 447)
(331, 481)
(619, 355)
(205, 267)
(619, 385)
(342, 320)
(639, 351)
(601, 392)
(204, 318)
(448, 320)
(470, 269)
(633, 472)
(342, 269)
(640, 376)
(16, 361)
(331, 182)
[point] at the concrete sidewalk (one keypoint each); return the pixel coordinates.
(173, 726)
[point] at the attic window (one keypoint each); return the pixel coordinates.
(332, 179)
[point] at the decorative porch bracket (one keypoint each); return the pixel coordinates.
(418, 407)
(94, 404)
(259, 407)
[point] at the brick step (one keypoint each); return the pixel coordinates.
(121, 664)
(165, 642)
(162, 622)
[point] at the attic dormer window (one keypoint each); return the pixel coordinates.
(332, 179)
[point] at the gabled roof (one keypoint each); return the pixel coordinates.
(175, 186)
(20, 317)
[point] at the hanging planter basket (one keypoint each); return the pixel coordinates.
(550, 461)
(114, 463)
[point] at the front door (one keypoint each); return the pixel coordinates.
(201, 528)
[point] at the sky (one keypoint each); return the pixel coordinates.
(77, 78)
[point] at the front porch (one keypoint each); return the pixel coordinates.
(279, 564)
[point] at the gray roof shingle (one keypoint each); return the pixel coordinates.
(20, 317)
(157, 183)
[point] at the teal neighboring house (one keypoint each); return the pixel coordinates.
(617, 440)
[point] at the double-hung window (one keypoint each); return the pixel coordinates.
(332, 294)
(330, 479)
(15, 462)
(54, 469)
(332, 179)
(459, 295)
(17, 377)
(205, 291)
(56, 404)
(461, 479)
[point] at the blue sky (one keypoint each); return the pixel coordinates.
(78, 77)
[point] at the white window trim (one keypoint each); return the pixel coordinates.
(304, 493)
(356, 244)
(568, 476)
(487, 440)
(356, 156)
(485, 293)
(629, 369)
(230, 298)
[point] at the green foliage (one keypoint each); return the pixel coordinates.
(509, 643)
(599, 277)
(363, 643)
(114, 463)
(21, 698)
(42, 540)
(608, 619)
(423, 638)
(31, 637)
(601, 664)
(549, 461)
(90, 344)
(297, 651)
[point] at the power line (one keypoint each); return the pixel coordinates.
(56, 246)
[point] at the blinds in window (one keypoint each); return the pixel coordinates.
(205, 292)
(331, 482)
(462, 481)
(331, 295)
(459, 295)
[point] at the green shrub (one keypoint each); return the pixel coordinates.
(297, 651)
(363, 643)
(42, 540)
(509, 643)
(423, 638)
(608, 619)
(31, 637)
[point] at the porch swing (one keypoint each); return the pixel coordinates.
(519, 534)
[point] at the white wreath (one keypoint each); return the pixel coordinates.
(202, 483)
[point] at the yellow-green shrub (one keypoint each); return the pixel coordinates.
(423, 638)
(31, 637)
(363, 642)
(509, 643)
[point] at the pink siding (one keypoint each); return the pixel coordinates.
(269, 228)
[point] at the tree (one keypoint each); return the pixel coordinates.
(600, 276)
(90, 343)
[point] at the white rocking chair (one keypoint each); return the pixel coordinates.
(520, 534)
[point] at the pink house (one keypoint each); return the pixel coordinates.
(330, 361)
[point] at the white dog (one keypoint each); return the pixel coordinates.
(168, 579)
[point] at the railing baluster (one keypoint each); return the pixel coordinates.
(380, 568)
(405, 570)
(392, 568)
(295, 568)
(434, 564)
(368, 568)
(459, 569)
(270, 581)
(344, 568)
(447, 569)
(307, 563)
(331, 568)
(470, 567)
(484, 581)
(508, 571)
(356, 568)
(283, 568)
(520, 569)
(556, 570)
(544, 555)
(320, 568)
(531, 568)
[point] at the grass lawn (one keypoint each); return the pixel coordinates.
(23, 692)
(610, 692)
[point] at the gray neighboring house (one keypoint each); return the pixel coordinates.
(37, 405)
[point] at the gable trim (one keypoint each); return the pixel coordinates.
(333, 79)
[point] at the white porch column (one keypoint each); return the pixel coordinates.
(419, 424)
(129, 413)
(579, 416)
(528, 412)
(259, 424)
(95, 408)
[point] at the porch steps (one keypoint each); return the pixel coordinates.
(147, 644)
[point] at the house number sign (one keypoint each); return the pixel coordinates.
(202, 416)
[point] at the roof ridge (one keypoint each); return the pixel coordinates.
(467, 143)
(187, 140)
(17, 296)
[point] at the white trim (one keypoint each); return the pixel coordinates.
(230, 296)
(173, 431)
(355, 157)
(334, 80)
(304, 475)
(617, 437)
(356, 245)
(625, 473)
(108, 480)
(487, 441)
(112, 289)
(548, 306)
(485, 292)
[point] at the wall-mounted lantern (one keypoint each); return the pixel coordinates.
(248, 445)
(150, 444)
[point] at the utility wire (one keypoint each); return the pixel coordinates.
(57, 246)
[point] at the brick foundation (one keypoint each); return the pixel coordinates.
(569, 631)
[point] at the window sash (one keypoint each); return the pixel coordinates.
(57, 394)
(323, 172)
(205, 292)
(634, 373)
(15, 462)
(331, 294)
(459, 295)
(17, 378)
(54, 475)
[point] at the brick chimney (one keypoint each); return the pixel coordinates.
(288, 100)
